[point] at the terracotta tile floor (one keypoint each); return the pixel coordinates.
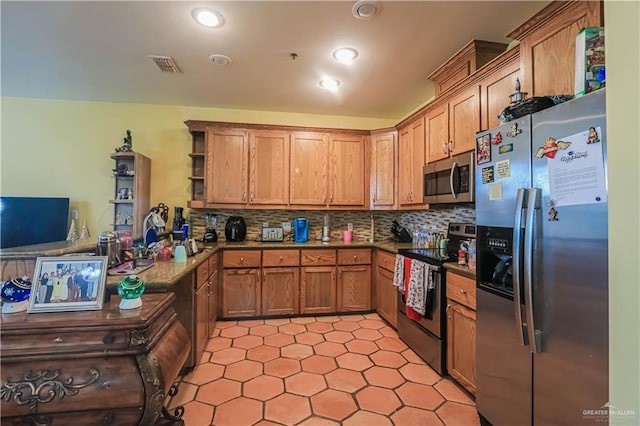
(331, 370)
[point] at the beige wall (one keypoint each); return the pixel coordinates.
(56, 148)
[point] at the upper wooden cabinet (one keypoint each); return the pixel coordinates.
(309, 168)
(411, 160)
(383, 169)
(451, 126)
(347, 170)
(269, 167)
(496, 87)
(547, 45)
(228, 157)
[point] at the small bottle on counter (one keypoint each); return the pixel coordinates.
(462, 256)
(471, 261)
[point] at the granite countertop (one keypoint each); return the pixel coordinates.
(460, 269)
(58, 248)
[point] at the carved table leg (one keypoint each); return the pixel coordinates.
(178, 411)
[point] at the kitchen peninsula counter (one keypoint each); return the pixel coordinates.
(460, 270)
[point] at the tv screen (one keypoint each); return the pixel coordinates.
(32, 220)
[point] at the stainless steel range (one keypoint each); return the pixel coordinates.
(427, 335)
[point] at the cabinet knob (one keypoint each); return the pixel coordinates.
(318, 257)
(241, 259)
(451, 145)
(463, 291)
(281, 258)
(355, 257)
(447, 311)
(58, 339)
(244, 196)
(444, 148)
(252, 197)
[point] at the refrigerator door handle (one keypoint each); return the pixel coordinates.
(453, 169)
(533, 206)
(517, 266)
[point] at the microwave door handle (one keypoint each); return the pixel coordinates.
(517, 266)
(453, 169)
(533, 206)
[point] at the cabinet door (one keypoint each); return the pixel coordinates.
(280, 291)
(405, 137)
(495, 91)
(383, 169)
(201, 316)
(354, 288)
(241, 292)
(228, 159)
(461, 345)
(417, 160)
(309, 168)
(437, 123)
(213, 303)
(347, 171)
(464, 120)
(386, 298)
(269, 168)
(317, 289)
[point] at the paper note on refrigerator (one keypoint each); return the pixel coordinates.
(576, 173)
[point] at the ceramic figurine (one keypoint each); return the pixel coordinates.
(15, 295)
(126, 144)
(130, 289)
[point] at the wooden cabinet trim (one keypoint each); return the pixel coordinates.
(241, 258)
(461, 289)
(318, 257)
(385, 260)
(354, 256)
(271, 258)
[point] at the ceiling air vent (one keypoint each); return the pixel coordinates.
(364, 9)
(165, 63)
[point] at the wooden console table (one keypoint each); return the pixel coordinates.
(107, 367)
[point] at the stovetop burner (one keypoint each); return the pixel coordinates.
(457, 232)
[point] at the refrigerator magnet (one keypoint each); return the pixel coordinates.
(553, 214)
(487, 174)
(551, 147)
(497, 139)
(503, 169)
(593, 136)
(508, 147)
(483, 149)
(514, 131)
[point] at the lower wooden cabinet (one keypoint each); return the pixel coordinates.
(241, 292)
(214, 278)
(354, 288)
(317, 289)
(201, 315)
(461, 330)
(386, 293)
(280, 291)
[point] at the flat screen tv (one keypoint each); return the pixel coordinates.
(32, 220)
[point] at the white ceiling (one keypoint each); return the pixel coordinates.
(98, 51)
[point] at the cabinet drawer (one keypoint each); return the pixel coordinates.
(354, 256)
(280, 257)
(321, 257)
(461, 289)
(241, 259)
(213, 263)
(386, 260)
(202, 274)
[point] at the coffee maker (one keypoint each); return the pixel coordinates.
(301, 230)
(210, 233)
(178, 221)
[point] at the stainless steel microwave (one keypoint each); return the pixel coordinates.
(450, 180)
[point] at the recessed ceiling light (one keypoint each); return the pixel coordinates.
(207, 17)
(329, 83)
(345, 55)
(219, 59)
(364, 9)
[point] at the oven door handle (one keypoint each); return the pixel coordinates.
(453, 169)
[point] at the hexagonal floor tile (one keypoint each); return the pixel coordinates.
(416, 416)
(388, 332)
(355, 362)
(378, 400)
(330, 349)
(318, 364)
(411, 356)
(228, 356)
(250, 323)
(367, 418)
(391, 344)
(218, 391)
(351, 317)
(263, 387)
(318, 421)
(296, 351)
(243, 370)
(373, 324)
(277, 321)
(197, 414)
(234, 332)
(303, 320)
(388, 359)
(305, 384)
(247, 342)
(240, 411)
(263, 330)
(345, 380)
(453, 413)
(419, 395)
(186, 393)
(218, 343)
(320, 327)
(204, 373)
(328, 318)
(364, 347)
(420, 374)
(226, 324)
(333, 404)
(367, 334)
(278, 340)
(309, 338)
(263, 353)
(292, 329)
(451, 392)
(282, 367)
(346, 325)
(338, 336)
(266, 423)
(382, 376)
(287, 409)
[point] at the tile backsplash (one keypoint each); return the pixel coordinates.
(435, 219)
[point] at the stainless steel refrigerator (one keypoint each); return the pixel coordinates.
(542, 274)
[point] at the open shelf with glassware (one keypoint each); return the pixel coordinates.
(198, 168)
(132, 175)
